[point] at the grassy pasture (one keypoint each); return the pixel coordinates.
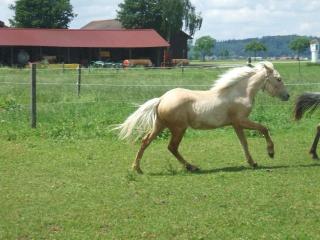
(70, 178)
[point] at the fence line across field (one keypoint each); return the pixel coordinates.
(78, 84)
(85, 72)
(89, 69)
(134, 104)
(144, 85)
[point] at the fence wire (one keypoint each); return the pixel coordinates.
(142, 86)
(124, 86)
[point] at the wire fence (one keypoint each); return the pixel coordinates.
(140, 86)
(125, 88)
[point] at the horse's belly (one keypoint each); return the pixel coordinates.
(209, 122)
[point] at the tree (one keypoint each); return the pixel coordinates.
(278, 46)
(204, 46)
(42, 13)
(224, 53)
(299, 45)
(167, 17)
(255, 47)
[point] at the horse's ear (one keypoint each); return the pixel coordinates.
(268, 66)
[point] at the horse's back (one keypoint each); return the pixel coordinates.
(178, 97)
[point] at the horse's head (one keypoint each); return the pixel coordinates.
(273, 83)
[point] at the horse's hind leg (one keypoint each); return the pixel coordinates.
(144, 144)
(173, 146)
(313, 150)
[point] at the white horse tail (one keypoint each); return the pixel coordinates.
(141, 121)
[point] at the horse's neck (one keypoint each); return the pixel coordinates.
(255, 83)
(242, 89)
(245, 88)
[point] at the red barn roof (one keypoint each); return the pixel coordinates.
(112, 38)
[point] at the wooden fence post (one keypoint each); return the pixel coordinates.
(33, 77)
(79, 80)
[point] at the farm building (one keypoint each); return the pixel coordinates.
(79, 45)
(178, 44)
(314, 48)
(2, 25)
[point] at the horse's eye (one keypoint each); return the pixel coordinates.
(279, 79)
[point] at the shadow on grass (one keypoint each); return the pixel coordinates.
(236, 169)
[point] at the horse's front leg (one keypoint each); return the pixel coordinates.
(247, 124)
(240, 133)
(313, 150)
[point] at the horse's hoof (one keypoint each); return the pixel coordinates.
(271, 154)
(137, 169)
(192, 168)
(314, 155)
(254, 165)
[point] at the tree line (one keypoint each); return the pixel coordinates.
(269, 46)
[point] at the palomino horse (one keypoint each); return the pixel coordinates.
(228, 102)
(306, 102)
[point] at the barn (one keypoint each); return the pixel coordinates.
(2, 25)
(80, 45)
(178, 44)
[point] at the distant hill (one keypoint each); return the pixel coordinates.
(277, 46)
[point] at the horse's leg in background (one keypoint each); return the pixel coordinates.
(240, 133)
(176, 137)
(145, 143)
(313, 150)
(246, 123)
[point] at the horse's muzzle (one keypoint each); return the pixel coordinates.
(285, 97)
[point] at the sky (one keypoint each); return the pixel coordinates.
(222, 19)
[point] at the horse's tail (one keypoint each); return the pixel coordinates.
(306, 102)
(141, 121)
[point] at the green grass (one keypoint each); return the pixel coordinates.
(71, 178)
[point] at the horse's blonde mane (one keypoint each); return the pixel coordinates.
(235, 75)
